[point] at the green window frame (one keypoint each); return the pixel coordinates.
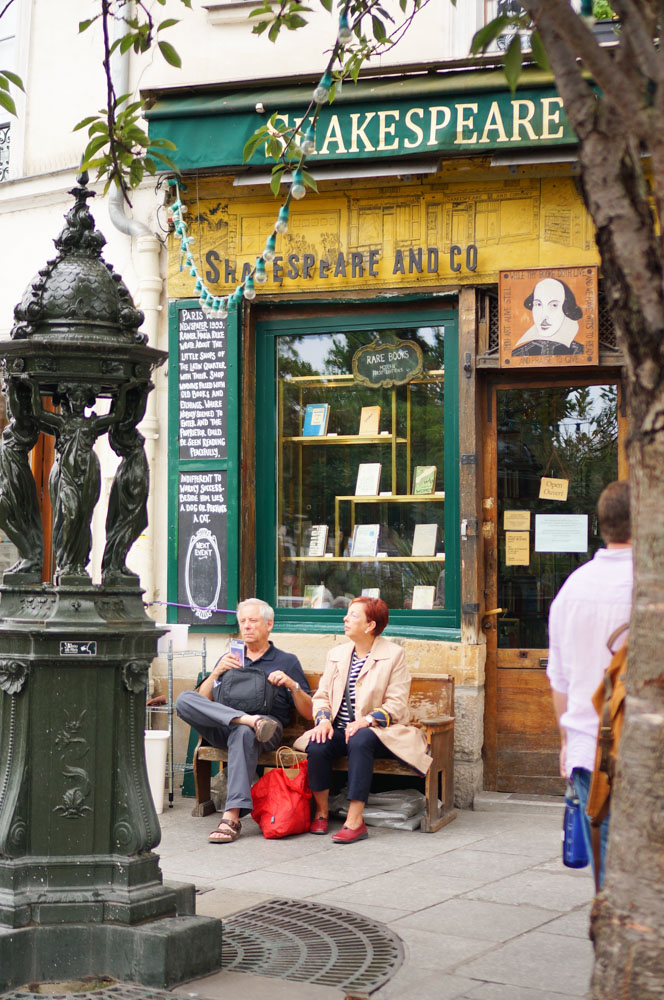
(229, 465)
(431, 624)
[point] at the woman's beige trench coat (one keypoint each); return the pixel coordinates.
(383, 682)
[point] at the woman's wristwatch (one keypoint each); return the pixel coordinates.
(369, 719)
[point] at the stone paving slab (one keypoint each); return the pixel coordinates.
(430, 986)
(495, 991)
(414, 892)
(476, 919)
(471, 863)
(537, 960)
(553, 892)
(428, 950)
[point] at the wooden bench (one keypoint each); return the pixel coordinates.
(431, 709)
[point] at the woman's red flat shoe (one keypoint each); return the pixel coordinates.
(348, 836)
(319, 825)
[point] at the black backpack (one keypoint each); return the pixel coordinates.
(247, 689)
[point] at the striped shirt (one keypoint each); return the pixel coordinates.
(346, 712)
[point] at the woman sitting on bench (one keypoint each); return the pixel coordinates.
(360, 710)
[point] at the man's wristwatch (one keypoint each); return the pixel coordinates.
(369, 719)
(297, 687)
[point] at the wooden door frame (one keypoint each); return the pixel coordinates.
(488, 392)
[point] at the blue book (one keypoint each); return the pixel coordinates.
(316, 416)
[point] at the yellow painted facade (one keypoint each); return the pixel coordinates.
(462, 227)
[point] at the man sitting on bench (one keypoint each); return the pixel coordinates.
(246, 736)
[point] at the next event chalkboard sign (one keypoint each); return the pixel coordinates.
(387, 361)
(202, 555)
(202, 401)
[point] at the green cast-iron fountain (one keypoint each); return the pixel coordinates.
(81, 891)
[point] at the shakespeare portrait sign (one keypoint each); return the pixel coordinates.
(548, 317)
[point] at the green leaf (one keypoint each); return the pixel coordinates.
(7, 102)
(513, 62)
(294, 21)
(253, 143)
(4, 85)
(378, 29)
(274, 148)
(168, 23)
(275, 184)
(126, 43)
(327, 4)
(94, 145)
(169, 54)
(13, 78)
(166, 160)
(539, 53)
(86, 121)
(84, 25)
(483, 38)
(162, 144)
(273, 33)
(309, 181)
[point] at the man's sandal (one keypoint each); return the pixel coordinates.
(228, 835)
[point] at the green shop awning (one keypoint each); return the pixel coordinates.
(456, 113)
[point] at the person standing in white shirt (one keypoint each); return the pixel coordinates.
(592, 603)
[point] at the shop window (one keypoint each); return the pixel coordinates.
(365, 480)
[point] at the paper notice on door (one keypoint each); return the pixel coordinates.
(561, 532)
(516, 520)
(517, 548)
(553, 489)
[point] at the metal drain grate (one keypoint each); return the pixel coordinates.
(311, 943)
(114, 991)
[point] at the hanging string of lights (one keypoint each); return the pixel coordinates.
(219, 305)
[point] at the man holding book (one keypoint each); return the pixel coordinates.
(244, 735)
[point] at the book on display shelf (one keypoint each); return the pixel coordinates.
(371, 592)
(314, 596)
(365, 540)
(317, 540)
(423, 598)
(368, 479)
(424, 479)
(425, 537)
(316, 418)
(369, 421)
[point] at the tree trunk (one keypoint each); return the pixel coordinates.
(628, 918)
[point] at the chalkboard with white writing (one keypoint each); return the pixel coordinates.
(202, 401)
(202, 548)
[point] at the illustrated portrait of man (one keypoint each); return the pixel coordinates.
(555, 321)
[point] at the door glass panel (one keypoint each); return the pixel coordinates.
(562, 434)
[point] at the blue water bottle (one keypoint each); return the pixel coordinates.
(575, 854)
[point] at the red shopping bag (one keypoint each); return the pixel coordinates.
(281, 798)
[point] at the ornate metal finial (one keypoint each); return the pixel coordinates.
(79, 234)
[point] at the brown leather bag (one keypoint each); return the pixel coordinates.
(609, 702)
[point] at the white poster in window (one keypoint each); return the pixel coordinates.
(561, 532)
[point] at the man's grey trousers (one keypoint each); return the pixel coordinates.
(213, 721)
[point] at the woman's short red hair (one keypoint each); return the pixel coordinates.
(376, 611)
